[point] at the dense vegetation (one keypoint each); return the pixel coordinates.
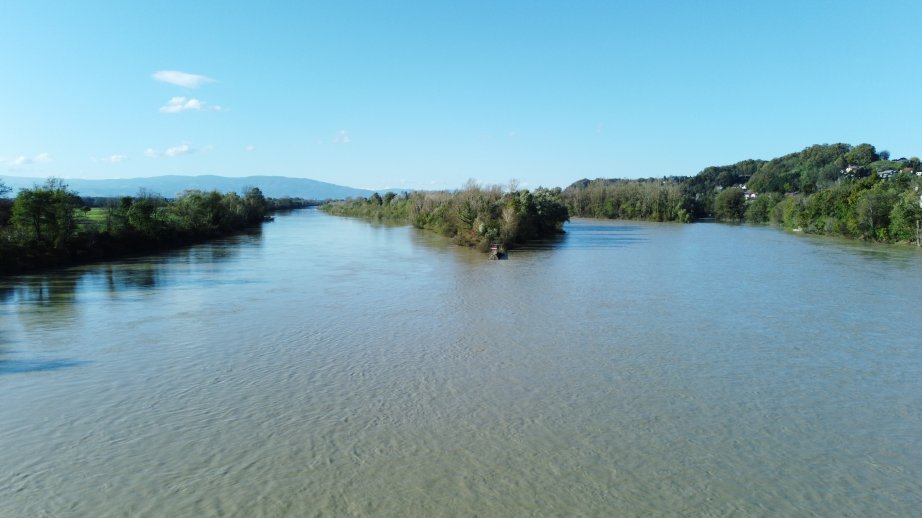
(473, 216)
(50, 225)
(837, 189)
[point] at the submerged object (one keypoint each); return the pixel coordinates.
(496, 252)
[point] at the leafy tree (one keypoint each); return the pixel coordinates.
(143, 211)
(5, 204)
(905, 216)
(255, 205)
(47, 213)
(730, 205)
(759, 210)
(872, 212)
(861, 155)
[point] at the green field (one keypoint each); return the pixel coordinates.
(96, 214)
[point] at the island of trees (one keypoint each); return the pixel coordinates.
(835, 189)
(50, 225)
(475, 215)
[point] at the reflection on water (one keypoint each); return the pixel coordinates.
(332, 367)
(595, 234)
(22, 366)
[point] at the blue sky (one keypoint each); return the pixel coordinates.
(428, 94)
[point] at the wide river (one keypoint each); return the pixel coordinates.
(332, 367)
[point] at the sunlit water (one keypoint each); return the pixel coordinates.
(331, 367)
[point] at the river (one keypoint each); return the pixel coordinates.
(327, 366)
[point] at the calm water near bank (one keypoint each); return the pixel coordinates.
(327, 366)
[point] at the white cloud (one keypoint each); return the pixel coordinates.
(342, 137)
(174, 151)
(181, 149)
(20, 161)
(182, 104)
(175, 77)
(115, 159)
(249, 148)
(23, 160)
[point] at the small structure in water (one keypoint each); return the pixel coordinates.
(496, 252)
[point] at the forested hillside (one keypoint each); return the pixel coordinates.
(839, 189)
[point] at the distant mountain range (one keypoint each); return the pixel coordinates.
(170, 186)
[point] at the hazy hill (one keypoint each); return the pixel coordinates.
(169, 186)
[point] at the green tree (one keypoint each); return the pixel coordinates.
(872, 212)
(5, 204)
(861, 155)
(760, 209)
(905, 217)
(730, 205)
(47, 213)
(143, 211)
(255, 205)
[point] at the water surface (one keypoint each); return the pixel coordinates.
(326, 366)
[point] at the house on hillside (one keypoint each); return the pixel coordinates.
(886, 173)
(853, 171)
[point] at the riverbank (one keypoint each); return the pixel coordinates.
(828, 189)
(49, 226)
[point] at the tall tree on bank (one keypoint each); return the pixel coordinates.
(730, 205)
(47, 214)
(5, 204)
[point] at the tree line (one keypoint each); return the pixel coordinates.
(476, 216)
(51, 225)
(837, 189)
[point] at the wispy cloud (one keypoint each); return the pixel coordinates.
(182, 104)
(250, 148)
(112, 159)
(182, 149)
(184, 79)
(342, 137)
(23, 160)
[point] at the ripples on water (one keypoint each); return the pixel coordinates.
(332, 367)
